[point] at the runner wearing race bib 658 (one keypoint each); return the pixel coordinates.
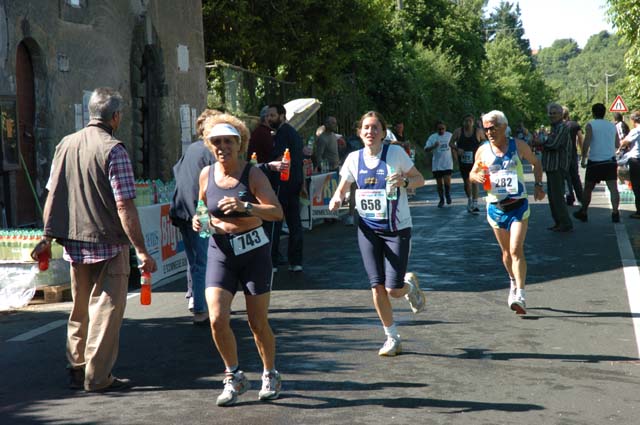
(382, 175)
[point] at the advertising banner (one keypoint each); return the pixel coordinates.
(163, 240)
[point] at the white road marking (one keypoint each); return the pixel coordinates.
(631, 278)
(59, 323)
(38, 331)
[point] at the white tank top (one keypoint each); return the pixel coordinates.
(603, 140)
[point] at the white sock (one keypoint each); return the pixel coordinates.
(512, 281)
(520, 292)
(391, 331)
(266, 372)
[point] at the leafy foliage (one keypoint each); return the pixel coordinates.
(625, 14)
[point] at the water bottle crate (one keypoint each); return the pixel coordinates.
(626, 194)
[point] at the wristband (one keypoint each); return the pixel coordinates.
(538, 184)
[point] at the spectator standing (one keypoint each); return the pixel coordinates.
(261, 140)
(631, 143)
(326, 146)
(621, 127)
(574, 185)
(288, 191)
(183, 207)
(556, 154)
(443, 149)
(599, 158)
(90, 210)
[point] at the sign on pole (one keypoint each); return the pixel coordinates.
(618, 105)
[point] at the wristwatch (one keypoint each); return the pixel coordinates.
(406, 182)
(248, 207)
(538, 184)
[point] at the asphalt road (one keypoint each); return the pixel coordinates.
(573, 359)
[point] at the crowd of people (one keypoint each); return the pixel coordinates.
(247, 203)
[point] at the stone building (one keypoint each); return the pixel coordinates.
(53, 53)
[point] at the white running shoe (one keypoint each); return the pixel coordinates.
(234, 385)
(391, 347)
(415, 296)
(518, 304)
(271, 385)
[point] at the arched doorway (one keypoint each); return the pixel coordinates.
(26, 213)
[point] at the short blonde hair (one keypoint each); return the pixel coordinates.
(211, 121)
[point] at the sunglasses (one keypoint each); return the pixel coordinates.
(441, 128)
(492, 128)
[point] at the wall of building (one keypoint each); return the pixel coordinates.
(134, 46)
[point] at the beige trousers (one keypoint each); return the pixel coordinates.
(93, 332)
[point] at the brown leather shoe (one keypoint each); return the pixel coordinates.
(76, 378)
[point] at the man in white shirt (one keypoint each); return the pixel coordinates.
(600, 144)
(444, 153)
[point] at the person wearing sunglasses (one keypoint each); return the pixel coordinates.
(507, 203)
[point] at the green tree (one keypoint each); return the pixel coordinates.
(505, 21)
(512, 84)
(625, 15)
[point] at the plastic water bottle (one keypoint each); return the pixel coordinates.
(203, 217)
(286, 159)
(392, 192)
(254, 159)
(487, 177)
(43, 259)
(145, 288)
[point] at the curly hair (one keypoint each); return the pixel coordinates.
(211, 121)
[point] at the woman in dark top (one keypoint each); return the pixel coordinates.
(239, 197)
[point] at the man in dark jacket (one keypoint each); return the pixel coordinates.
(288, 191)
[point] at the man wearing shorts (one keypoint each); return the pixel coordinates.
(442, 165)
(507, 204)
(467, 139)
(600, 144)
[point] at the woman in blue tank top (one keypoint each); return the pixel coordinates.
(383, 173)
(239, 196)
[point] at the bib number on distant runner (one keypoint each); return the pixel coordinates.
(467, 157)
(372, 203)
(504, 182)
(249, 241)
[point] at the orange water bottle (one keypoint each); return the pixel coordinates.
(286, 159)
(487, 177)
(145, 288)
(254, 159)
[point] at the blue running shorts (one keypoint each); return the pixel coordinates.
(500, 219)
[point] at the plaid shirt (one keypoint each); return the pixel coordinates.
(123, 186)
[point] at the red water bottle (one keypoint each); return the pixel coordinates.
(145, 288)
(286, 159)
(43, 259)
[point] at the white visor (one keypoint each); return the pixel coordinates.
(223, 129)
